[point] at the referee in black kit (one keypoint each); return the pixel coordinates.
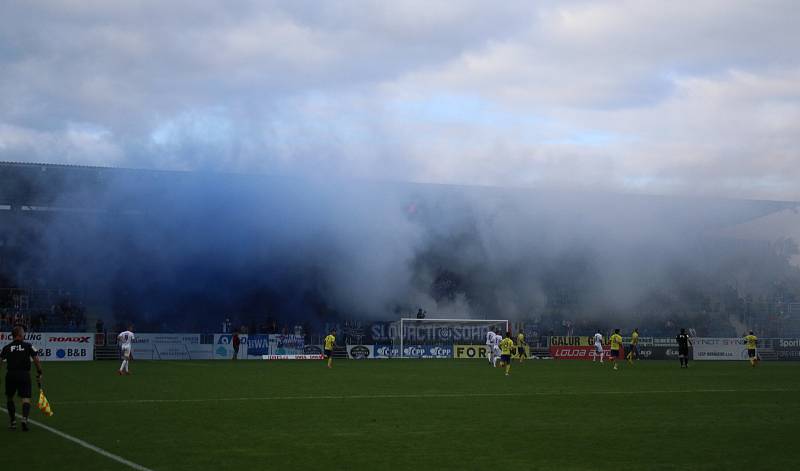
(18, 355)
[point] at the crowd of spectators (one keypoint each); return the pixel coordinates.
(63, 316)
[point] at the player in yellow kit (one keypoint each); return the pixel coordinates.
(634, 353)
(330, 341)
(521, 353)
(752, 341)
(616, 344)
(506, 346)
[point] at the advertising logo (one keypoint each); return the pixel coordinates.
(312, 350)
(440, 352)
(386, 351)
(359, 352)
(79, 339)
(413, 351)
(470, 351)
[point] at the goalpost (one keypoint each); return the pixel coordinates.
(421, 332)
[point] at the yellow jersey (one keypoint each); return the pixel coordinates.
(520, 339)
(329, 341)
(616, 341)
(635, 338)
(506, 345)
(751, 342)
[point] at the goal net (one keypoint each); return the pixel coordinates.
(435, 338)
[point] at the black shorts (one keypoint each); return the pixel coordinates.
(505, 358)
(328, 353)
(683, 352)
(751, 352)
(18, 382)
(521, 351)
(614, 353)
(633, 348)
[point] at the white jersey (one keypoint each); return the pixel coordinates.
(490, 338)
(125, 339)
(598, 339)
(496, 340)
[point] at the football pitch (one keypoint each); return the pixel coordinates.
(413, 414)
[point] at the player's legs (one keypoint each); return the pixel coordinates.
(11, 390)
(25, 395)
(329, 356)
(505, 360)
(124, 363)
(126, 358)
(599, 349)
(614, 354)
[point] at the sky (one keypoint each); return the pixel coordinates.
(676, 98)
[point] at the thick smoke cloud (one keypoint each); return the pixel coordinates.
(182, 250)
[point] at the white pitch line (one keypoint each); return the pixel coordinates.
(418, 396)
(84, 444)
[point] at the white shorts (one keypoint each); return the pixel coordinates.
(496, 351)
(126, 351)
(598, 348)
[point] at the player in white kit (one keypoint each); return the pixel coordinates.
(125, 342)
(598, 346)
(496, 347)
(490, 347)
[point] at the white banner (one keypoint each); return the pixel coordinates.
(719, 349)
(286, 344)
(169, 347)
(57, 346)
(360, 352)
(223, 347)
(292, 357)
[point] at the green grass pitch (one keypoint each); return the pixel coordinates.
(416, 414)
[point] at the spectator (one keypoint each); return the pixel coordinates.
(420, 314)
(98, 326)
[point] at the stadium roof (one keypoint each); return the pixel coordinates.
(41, 185)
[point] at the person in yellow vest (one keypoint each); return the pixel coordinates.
(506, 345)
(521, 353)
(634, 353)
(330, 341)
(616, 344)
(752, 341)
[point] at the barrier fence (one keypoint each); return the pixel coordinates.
(71, 346)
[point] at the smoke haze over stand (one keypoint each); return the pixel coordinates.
(181, 250)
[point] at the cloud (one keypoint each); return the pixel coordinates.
(677, 98)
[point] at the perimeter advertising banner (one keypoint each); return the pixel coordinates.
(57, 346)
(223, 347)
(360, 352)
(580, 352)
(170, 347)
(286, 344)
(659, 353)
(719, 349)
(386, 351)
(787, 349)
(470, 351)
(562, 340)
